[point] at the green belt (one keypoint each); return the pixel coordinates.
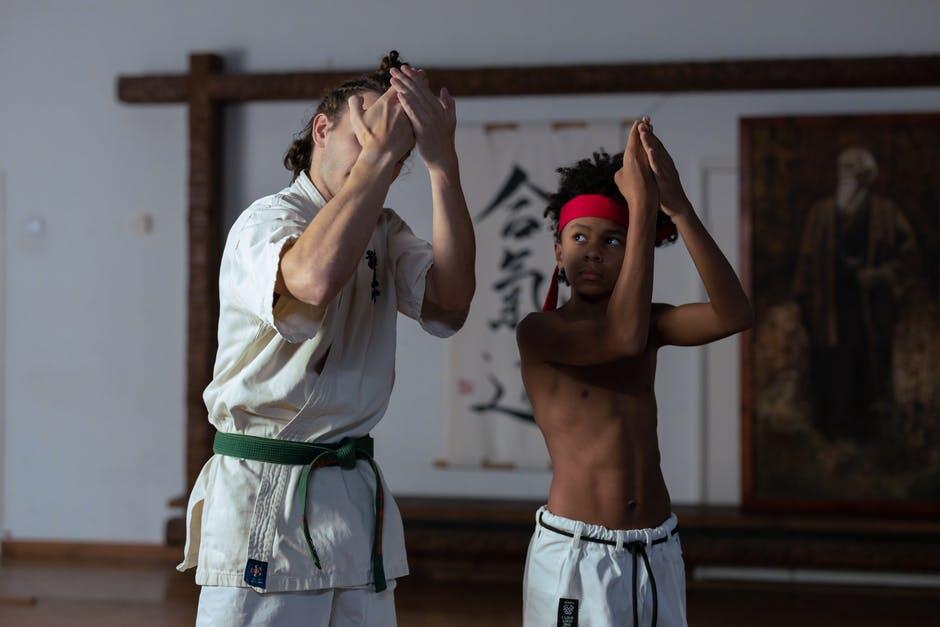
(344, 453)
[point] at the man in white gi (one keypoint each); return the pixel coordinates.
(290, 522)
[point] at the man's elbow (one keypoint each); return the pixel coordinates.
(457, 301)
(310, 288)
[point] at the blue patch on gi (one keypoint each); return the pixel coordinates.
(256, 573)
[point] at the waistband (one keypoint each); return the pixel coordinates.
(603, 535)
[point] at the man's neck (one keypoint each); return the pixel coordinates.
(318, 182)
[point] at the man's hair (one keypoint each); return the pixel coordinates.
(297, 158)
(596, 176)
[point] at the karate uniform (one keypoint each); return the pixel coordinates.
(291, 371)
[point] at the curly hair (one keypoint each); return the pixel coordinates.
(298, 155)
(596, 176)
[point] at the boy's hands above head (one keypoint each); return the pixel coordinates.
(434, 117)
(672, 198)
(635, 178)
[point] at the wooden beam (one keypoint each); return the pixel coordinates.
(686, 76)
(205, 254)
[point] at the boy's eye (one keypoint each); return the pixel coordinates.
(577, 235)
(614, 241)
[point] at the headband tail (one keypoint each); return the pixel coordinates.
(551, 299)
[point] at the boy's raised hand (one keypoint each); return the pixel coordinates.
(672, 198)
(635, 178)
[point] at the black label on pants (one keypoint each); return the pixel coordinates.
(568, 613)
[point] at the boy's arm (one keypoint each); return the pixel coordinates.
(728, 310)
(624, 330)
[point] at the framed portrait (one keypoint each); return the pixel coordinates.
(841, 373)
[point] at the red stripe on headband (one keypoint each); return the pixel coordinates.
(592, 206)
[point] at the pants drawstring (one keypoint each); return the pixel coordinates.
(640, 547)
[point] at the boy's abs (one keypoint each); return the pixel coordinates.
(606, 462)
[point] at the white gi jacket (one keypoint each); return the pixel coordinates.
(265, 384)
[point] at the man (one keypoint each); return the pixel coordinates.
(858, 254)
(290, 522)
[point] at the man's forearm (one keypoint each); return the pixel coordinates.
(327, 253)
(453, 241)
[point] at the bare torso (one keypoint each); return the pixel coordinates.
(599, 423)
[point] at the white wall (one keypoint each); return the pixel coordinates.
(95, 311)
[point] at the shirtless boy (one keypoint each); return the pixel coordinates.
(605, 549)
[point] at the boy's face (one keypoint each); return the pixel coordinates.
(591, 252)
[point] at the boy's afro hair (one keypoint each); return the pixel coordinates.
(596, 176)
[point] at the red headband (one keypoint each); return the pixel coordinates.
(596, 206)
(592, 206)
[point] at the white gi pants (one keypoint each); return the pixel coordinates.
(225, 606)
(582, 575)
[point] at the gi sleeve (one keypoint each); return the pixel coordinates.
(412, 258)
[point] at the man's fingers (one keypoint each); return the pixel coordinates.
(355, 107)
(415, 74)
(447, 101)
(408, 76)
(401, 81)
(404, 84)
(419, 101)
(409, 110)
(415, 79)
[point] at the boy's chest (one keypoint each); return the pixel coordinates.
(631, 375)
(607, 384)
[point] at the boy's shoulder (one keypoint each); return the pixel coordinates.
(535, 318)
(528, 327)
(536, 325)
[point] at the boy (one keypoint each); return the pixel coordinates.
(605, 549)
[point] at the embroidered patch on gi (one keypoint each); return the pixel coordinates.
(373, 264)
(256, 573)
(568, 613)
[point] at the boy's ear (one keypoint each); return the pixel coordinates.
(558, 254)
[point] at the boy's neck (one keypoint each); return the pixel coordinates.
(587, 308)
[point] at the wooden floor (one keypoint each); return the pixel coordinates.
(62, 594)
